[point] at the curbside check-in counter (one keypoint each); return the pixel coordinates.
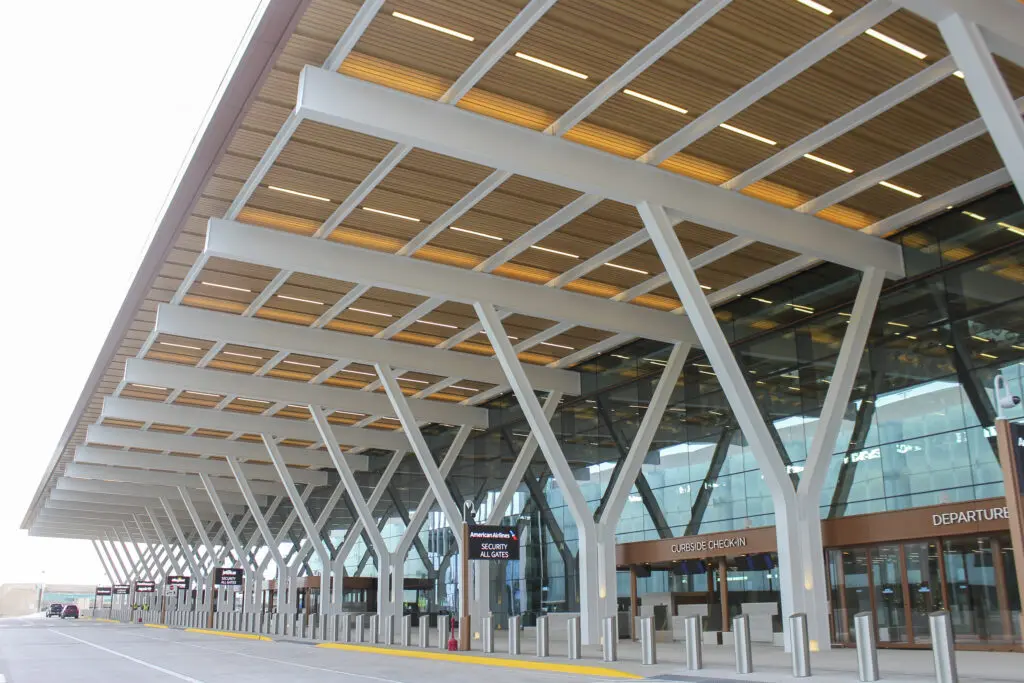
(899, 565)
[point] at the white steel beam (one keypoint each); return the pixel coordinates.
(136, 476)
(136, 495)
(341, 101)
(1002, 20)
(261, 522)
(154, 373)
(178, 443)
(228, 421)
(175, 463)
(211, 491)
(355, 531)
(279, 249)
(988, 89)
(555, 458)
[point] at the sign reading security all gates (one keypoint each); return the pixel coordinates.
(145, 587)
(493, 542)
(228, 576)
(103, 590)
(122, 589)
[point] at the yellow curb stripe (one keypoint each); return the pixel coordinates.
(106, 621)
(228, 634)
(154, 626)
(487, 661)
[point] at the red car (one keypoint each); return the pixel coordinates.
(70, 612)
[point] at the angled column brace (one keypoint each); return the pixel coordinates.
(368, 554)
(324, 515)
(107, 568)
(112, 551)
(572, 587)
(419, 447)
(988, 89)
(192, 560)
(162, 538)
(403, 514)
(143, 558)
(300, 557)
(236, 545)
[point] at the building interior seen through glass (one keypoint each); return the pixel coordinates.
(918, 431)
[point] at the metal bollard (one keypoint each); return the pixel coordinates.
(543, 642)
(300, 626)
(801, 645)
(611, 639)
(487, 634)
(867, 649)
(648, 650)
(406, 630)
(360, 620)
(942, 647)
(374, 629)
(346, 627)
(741, 635)
(694, 653)
(425, 631)
(514, 647)
(389, 629)
(443, 624)
(574, 638)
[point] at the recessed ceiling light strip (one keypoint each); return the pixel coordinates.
(551, 65)
(298, 194)
(433, 27)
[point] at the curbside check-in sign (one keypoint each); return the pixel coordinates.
(493, 542)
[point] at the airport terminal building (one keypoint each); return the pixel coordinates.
(713, 308)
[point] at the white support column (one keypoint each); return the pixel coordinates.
(363, 511)
(261, 524)
(106, 567)
(742, 402)
(186, 549)
(143, 559)
(435, 479)
(823, 444)
(312, 534)
(112, 555)
(630, 468)
(549, 446)
(204, 591)
(353, 534)
(327, 592)
(225, 521)
(988, 89)
(162, 538)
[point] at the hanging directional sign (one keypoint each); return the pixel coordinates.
(493, 542)
(228, 576)
(122, 589)
(103, 590)
(145, 587)
(178, 582)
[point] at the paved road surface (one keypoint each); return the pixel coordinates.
(36, 650)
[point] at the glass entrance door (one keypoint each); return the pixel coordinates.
(887, 591)
(974, 590)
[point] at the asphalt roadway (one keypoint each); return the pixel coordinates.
(38, 650)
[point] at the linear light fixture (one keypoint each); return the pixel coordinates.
(845, 315)
(432, 27)
(559, 346)
(458, 386)
(393, 215)
(988, 355)
(562, 69)
(202, 393)
(619, 355)
(254, 400)
(431, 322)
(410, 379)
(553, 251)
(369, 312)
(349, 412)
(297, 407)
(300, 363)
(301, 300)
(1012, 228)
(981, 339)
(653, 100)
(1017, 347)
(148, 386)
(705, 287)
(242, 355)
(747, 133)
(299, 194)
(632, 270)
(830, 164)
(802, 309)
(888, 40)
(360, 372)
(180, 346)
(509, 336)
(973, 215)
(817, 7)
(475, 233)
(896, 324)
(893, 186)
(234, 289)
(910, 336)
(763, 301)
(959, 74)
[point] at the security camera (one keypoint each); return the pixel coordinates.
(1008, 401)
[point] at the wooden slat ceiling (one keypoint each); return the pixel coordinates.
(593, 37)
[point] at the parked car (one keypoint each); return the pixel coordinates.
(55, 610)
(70, 612)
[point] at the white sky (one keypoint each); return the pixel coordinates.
(102, 101)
